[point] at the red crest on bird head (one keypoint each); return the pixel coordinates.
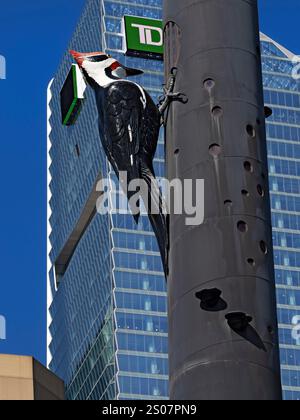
(79, 56)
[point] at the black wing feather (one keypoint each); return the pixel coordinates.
(123, 105)
(121, 110)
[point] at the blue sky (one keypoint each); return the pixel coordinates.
(279, 19)
(33, 37)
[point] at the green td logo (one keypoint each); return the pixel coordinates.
(144, 37)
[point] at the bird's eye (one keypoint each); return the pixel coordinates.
(98, 58)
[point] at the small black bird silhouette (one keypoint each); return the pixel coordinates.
(129, 124)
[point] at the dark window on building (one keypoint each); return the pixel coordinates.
(77, 150)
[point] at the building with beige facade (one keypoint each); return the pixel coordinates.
(23, 378)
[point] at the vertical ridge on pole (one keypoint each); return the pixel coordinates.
(222, 307)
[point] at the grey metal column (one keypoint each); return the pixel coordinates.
(223, 324)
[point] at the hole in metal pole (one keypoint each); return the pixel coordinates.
(268, 112)
(228, 203)
(217, 111)
(251, 262)
(215, 149)
(248, 166)
(251, 131)
(245, 193)
(242, 226)
(211, 301)
(209, 84)
(260, 191)
(263, 247)
(176, 152)
(238, 321)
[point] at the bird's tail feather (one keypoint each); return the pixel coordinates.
(157, 212)
(133, 196)
(126, 179)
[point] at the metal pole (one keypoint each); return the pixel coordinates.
(223, 323)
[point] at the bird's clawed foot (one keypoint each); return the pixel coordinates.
(170, 96)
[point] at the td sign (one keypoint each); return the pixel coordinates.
(143, 37)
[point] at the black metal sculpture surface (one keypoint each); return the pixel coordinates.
(129, 124)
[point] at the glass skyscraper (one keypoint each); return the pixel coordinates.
(107, 319)
(282, 94)
(107, 296)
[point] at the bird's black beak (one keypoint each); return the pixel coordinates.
(133, 72)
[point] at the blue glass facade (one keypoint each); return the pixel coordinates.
(108, 311)
(282, 94)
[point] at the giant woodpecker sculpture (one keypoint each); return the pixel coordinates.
(129, 124)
